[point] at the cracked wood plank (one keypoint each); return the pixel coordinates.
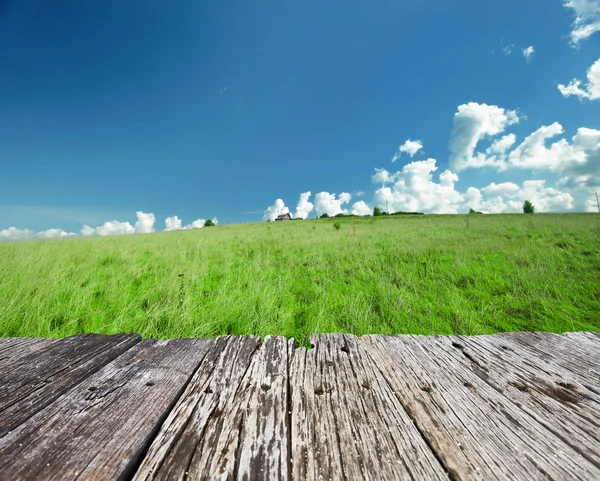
(13, 348)
(544, 391)
(100, 429)
(30, 383)
(563, 351)
(477, 433)
(231, 423)
(347, 422)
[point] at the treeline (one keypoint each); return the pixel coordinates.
(376, 213)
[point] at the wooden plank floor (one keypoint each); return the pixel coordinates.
(507, 406)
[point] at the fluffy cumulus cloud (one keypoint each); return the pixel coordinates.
(275, 210)
(174, 223)
(472, 123)
(145, 223)
(410, 147)
(326, 203)
(528, 53)
(414, 190)
(509, 197)
(304, 207)
(590, 91)
(112, 227)
(587, 18)
(361, 208)
(12, 233)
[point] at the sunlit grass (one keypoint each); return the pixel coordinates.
(420, 274)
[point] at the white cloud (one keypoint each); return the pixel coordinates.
(532, 153)
(54, 234)
(501, 145)
(501, 189)
(528, 53)
(587, 18)
(414, 190)
(381, 176)
(590, 91)
(12, 233)
(472, 123)
(174, 223)
(326, 203)
(145, 223)
(108, 228)
(360, 193)
(411, 147)
(304, 207)
(473, 198)
(509, 197)
(275, 210)
(361, 208)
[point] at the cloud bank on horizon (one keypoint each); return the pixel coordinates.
(144, 225)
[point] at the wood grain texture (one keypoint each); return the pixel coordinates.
(13, 348)
(347, 422)
(100, 429)
(581, 359)
(475, 430)
(546, 392)
(231, 423)
(30, 383)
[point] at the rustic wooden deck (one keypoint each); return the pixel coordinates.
(507, 406)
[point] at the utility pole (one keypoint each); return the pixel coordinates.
(598, 202)
(387, 210)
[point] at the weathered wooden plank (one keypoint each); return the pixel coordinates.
(589, 337)
(581, 361)
(231, 422)
(476, 431)
(30, 383)
(13, 348)
(347, 422)
(544, 391)
(101, 428)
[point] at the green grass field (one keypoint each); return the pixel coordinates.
(474, 274)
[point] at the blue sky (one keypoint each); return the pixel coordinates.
(222, 109)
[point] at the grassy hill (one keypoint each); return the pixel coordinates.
(475, 274)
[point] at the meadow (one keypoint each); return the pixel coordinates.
(433, 274)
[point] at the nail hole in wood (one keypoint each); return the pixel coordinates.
(265, 387)
(427, 389)
(92, 388)
(319, 391)
(312, 346)
(457, 345)
(520, 387)
(506, 348)
(345, 349)
(366, 384)
(567, 385)
(468, 384)
(208, 391)
(150, 383)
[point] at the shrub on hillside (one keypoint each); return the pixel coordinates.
(209, 223)
(528, 208)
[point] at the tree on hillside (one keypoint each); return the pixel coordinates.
(325, 216)
(376, 212)
(209, 223)
(472, 211)
(528, 208)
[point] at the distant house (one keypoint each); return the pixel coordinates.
(284, 217)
